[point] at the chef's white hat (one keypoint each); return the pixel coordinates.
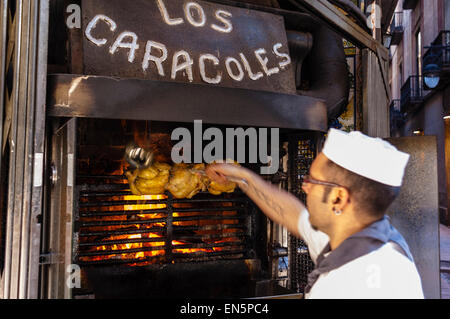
(370, 157)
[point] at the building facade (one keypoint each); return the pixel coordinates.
(419, 56)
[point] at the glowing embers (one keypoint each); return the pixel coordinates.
(115, 227)
(123, 228)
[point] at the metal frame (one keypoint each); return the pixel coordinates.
(135, 99)
(57, 228)
(350, 30)
(303, 148)
(28, 34)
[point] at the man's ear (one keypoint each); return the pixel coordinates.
(340, 197)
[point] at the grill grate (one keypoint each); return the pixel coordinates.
(113, 226)
(302, 153)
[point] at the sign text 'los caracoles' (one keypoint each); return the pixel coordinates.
(187, 41)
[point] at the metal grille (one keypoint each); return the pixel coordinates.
(302, 151)
(115, 227)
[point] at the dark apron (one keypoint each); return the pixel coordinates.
(369, 239)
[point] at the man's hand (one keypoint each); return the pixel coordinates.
(222, 173)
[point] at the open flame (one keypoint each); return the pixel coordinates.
(142, 244)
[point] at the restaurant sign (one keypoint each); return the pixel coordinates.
(187, 41)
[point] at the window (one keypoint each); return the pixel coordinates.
(419, 53)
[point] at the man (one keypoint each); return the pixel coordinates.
(351, 183)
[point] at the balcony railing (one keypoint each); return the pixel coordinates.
(439, 52)
(412, 93)
(397, 118)
(443, 38)
(436, 59)
(396, 28)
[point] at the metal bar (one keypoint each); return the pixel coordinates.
(239, 238)
(12, 238)
(210, 200)
(119, 251)
(122, 242)
(212, 254)
(169, 220)
(155, 248)
(155, 201)
(208, 217)
(122, 203)
(210, 227)
(52, 216)
(38, 148)
(338, 21)
(28, 141)
(119, 261)
(122, 222)
(118, 177)
(125, 232)
(122, 212)
(103, 188)
(92, 193)
(70, 198)
(213, 236)
(157, 211)
(206, 246)
(209, 209)
(156, 220)
(3, 48)
(3, 102)
(178, 257)
(105, 194)
(145, 98)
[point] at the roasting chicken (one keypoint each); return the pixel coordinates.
(149, 181)
(181, 180)
(184, 182)
(216, 188)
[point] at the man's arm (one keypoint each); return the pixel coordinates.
(280, 206)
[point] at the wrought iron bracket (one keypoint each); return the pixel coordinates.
(51, 258)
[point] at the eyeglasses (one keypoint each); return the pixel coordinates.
(307, 179)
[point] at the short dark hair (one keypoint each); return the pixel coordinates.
(368, 195)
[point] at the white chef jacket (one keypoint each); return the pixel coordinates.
(382, 274)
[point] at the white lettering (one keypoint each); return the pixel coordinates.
(157, 60)
(374, 276)
(132, 46)
(181, 152)
(247, 67)
(215, 61)
(221, 15)
(198, 141)
(187, 65)
(165, 14)
(74, 276)
(240, 134)
(273, 160)
(216, 145)
(93, 23)
(201, 14)
(74, 19)
(235, 77)
(287, 60)
(264, 62)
